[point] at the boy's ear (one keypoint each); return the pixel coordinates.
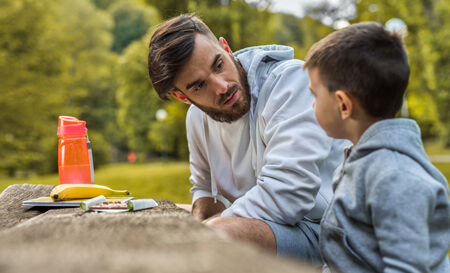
(346, 104)
(223, 43)
(180, 96)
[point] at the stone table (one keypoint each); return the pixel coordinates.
(162, 239)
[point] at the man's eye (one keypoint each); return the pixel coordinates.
(199, 86)
(219, 66)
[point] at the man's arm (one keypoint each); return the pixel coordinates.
(204, 204)
(205, 208)
(291, 149)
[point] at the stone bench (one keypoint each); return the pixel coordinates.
(161, 239)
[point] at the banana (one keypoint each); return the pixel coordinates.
(81, 191)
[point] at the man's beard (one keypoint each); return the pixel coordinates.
(239, 108)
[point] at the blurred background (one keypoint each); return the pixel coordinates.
(88, 59)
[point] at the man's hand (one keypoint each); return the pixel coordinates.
(205, 208)
(250, 230)
(210, 218)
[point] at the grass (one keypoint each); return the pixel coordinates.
(162, 180)
(166, 180)
(437, 148)
(434, 147)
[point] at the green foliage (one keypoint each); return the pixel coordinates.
(131, 21)
(55, 60)
(312, 31)
(31, 64)
(239, 23)
(441, 39)
(169, 136)
(89, 76)
(88, 59)
(428, 47)
(103, 4)
(137, 100)
(169, 8)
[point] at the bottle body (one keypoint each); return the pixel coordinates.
(73, 160)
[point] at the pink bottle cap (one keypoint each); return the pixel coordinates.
(71, 126)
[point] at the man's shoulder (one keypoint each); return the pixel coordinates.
(194, 116)
(295, 64)
(194, 112)
(278, 67)
(285, 79)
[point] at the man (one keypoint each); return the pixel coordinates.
(260, 163)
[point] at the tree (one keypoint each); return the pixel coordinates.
(86, 40)
(169, 8)
(131, 21)
(137, 100)
(169, 136)
(440, 24)
(329, 12)
(103, 4)
(31, 65)
(240, 24)
(423, 88)
(428, 46)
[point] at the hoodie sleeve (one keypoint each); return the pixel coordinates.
(406, 209)
(295, 147)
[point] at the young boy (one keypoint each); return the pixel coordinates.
(390, 211)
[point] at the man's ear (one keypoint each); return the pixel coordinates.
(346, 104)
(223, 43)
(180, 96)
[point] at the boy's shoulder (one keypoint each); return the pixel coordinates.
(391, 152)
(390, 173)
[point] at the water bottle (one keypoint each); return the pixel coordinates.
(75, 163)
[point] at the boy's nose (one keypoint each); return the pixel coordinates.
(220, 85)
(314, 104)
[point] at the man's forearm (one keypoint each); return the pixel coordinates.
(205, 208)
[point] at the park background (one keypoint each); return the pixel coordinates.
(88, 59)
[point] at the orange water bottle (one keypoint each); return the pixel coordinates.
(75, 164)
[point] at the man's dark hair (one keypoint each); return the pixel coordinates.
(171, 46)
(367, 61)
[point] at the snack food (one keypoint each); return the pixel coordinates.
(109, 205)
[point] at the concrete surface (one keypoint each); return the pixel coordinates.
(162, 239)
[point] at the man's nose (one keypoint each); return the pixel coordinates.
(219, 85)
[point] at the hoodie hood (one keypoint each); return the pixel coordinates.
(255, 61)
(398, 135)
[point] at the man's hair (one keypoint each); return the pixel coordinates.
(367, 61)
(170, 47)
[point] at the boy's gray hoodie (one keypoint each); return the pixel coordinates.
(390, 211)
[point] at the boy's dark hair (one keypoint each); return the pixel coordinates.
(367, 61)
(170, 47)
